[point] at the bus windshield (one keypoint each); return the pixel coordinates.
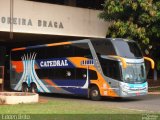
(127, 49)
(134, 73)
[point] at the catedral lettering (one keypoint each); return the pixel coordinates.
(54, 63)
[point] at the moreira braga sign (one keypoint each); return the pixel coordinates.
(29, 22)
(42, 18)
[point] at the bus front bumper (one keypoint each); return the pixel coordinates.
(133, 93)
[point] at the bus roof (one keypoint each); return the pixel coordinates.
(38, 46)
(69, 42)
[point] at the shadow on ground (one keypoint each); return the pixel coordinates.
(104, 99)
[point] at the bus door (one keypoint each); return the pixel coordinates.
(112, 70)
(83, 76)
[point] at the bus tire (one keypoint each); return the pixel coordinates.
(25, 87)
(94, 93)
(33, 88)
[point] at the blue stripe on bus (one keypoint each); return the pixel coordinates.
(78, 83)
(77, 91)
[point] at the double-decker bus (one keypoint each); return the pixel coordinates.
(89, 67)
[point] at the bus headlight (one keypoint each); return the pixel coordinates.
(124, 86)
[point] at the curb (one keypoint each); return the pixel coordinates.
(154, 93)
(18, 97)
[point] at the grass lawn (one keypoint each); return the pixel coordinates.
(69, 110)
(56, 106)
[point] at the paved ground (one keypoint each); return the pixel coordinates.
(144, 103)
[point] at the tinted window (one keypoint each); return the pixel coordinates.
(72, 50)
(43, 73)
(63, 74)
(66, 74)
(93, 75)
(127, 49)
(103, 47)
(16, 55)
(41, 52)
(82, 50)
(57, 73)
(82, 74)
(111, 68)
(60, 51)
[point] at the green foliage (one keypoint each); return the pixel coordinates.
(133, 19)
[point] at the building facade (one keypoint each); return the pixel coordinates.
(29, 22)
(55, 18)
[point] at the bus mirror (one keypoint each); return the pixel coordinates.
(150, 60)
(124, 64)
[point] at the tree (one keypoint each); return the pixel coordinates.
(134, 19)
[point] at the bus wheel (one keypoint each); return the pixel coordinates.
(25, 87)
(34, 88)
(94, 93)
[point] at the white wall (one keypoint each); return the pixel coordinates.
(41, 18)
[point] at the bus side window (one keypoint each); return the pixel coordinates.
(16, 55)
(66, 51)
(53, 52)
(93, 75)
(110, 49)
(111, 68)
(43, 73)
(82, 50)
(81, 74)
(64, 74)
